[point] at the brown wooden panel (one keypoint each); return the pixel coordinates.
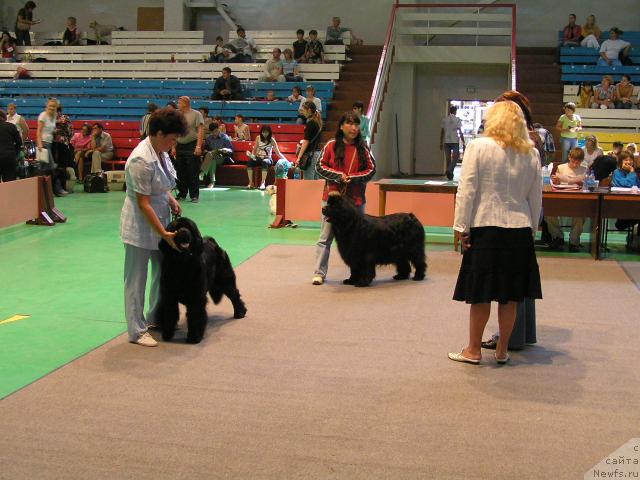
(151, 18)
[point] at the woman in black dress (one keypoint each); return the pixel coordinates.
(497, 211)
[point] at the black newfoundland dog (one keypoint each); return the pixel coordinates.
(199, 266)
(365, 241)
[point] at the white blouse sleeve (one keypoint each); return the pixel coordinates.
(534, 197)
(467, 188)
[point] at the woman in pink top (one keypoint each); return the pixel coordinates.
(80, 142)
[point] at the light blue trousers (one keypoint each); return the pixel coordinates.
(136, 264)
(323, 247)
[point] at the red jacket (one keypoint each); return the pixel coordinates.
(329, 169)
(572, 33)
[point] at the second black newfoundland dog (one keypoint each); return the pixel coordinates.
(365, 241)
(199, 266)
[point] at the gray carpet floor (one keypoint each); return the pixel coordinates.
(335, 382)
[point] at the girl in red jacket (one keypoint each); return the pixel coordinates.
(347, 165)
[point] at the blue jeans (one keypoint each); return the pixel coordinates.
(323, 247)
(567, 144)
(614, 63)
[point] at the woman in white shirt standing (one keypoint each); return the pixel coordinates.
(497, 212)
(44, 141)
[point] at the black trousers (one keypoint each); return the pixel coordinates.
(23, 37)
(188, 170)
(8, 168)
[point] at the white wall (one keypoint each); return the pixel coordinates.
(54, 13)
(435, 84)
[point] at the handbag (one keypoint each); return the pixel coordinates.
(305, 160)
(96, 183)
(42, 155)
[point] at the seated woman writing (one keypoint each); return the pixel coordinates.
(568, 173)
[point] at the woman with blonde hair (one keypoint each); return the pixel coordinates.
(590, 33)
(497, 212)
(591, 150)
(44, 142)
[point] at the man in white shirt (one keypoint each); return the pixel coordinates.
(246, 47)
(18, 121)
(450, 137)
(273, 68)
(610, 49)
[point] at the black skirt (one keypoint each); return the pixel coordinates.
(500, 266)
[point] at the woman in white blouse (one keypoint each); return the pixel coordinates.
(497, 212)
(148, 204)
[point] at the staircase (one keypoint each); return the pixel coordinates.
(539, 78)
(356, 83)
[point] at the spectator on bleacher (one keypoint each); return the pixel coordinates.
(335, 32)
(245, 46)
(590, 33)
(172, 104)
(221, 125)
(604, 94)
(310, 97)
(310, 144)
(270, 97)
(218, 54)
(188, 151)
(571, 33)
(273, 68)
(585, 95)
(71, 36)
(624, 93)
(219, 151)
(146, 212)
(81, 142)
(450, 137)
(591, 151)
(227, 86)
(241, 130)
(618, 148)
(611, 49)
(296, 95)
(260, 158)
(571, 173)
(101, 147)
(144, 123)
(624, 175)
(299, 46)
(569, 124)
(549, 146)
(10, 145)
(204, 111)
(290, 67)
(347, 165)
(24, 21)
(44, 141)
(18, 121)
(358, 109)
(7, 48)
(314, 52)
(632, 150)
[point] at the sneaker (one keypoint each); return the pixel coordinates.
(211, 185)
(195, 200)
(318, 280)
(262, 187)
(146, 340)
(574, 248)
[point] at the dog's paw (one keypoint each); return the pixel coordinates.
(194, 340)
(240, 313)
(167, 335)
(400, 277)
(418, 278)
(348, 281)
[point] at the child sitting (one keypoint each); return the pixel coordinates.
(241, 129)
(296, 95)
(299, 46)
(624, 176)
(314, 52)
(260, 159)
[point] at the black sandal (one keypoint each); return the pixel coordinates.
(490, 344)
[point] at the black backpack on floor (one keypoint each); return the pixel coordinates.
(96, 183)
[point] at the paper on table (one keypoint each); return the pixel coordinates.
(621, 189)
(436, 182)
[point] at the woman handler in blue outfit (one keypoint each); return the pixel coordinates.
(150, 177)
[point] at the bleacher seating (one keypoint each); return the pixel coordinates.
(156, 70)
(571, 93)
(267, 40)
(134, 109)
(139, 37)
(619, 120)
(594, 73)
(589, 56)
(152, 89)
